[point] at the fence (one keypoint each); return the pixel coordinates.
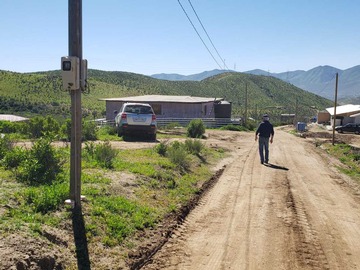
(208, 122)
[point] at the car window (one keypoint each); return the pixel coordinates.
(145, 110)
(138, 109)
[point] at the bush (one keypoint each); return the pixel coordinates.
(234, 128)
(13, 158)
(8, 127)
(193, 146)
(103, 154)
(161, 149)
(89, 131)
(196, 128)
(6, 145)
(40, 126)
(177, 155)
(42, 164)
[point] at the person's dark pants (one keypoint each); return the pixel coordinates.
(264, 145)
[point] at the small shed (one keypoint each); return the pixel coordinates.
(166, 106)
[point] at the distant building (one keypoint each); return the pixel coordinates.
(166, 106)
(12, 118)
(344, 114)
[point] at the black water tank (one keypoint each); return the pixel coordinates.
(222, 109)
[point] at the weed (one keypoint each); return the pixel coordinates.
(46, 198)
(161, 148)
(177, 155)
(103, 154)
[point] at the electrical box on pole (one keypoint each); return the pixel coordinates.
(70, 72)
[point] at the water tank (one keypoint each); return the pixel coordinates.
(222, 109)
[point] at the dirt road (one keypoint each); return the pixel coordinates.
(297, 213)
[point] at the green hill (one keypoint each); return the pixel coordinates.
(41, 93)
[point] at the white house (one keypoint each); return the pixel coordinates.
(345, 114)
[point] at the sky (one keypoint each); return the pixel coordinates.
(155, 36)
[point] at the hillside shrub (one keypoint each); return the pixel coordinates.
(196, 128)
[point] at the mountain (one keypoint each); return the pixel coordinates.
(195, 77)
(319, 80)
(28, 94)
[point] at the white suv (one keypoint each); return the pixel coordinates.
(136, 119)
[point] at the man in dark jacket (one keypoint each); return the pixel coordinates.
(265, 132)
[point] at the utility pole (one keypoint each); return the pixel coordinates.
(75, 49)
(334, 120)
(246, 104)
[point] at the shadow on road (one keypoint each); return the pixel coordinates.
(273, 166)
(82, 252)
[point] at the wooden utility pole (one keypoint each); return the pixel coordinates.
(75, 49)
(246, 105)
(334, 120)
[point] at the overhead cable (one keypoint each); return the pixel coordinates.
(198, 34)
(207, 34)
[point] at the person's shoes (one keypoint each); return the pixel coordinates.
(262, 162)
(267, 161)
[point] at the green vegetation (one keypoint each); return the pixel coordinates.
(36, 181)
(30, 94)
(349, 156)
(196, 128)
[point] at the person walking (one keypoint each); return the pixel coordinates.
(265, 132)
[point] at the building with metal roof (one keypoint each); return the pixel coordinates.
(348, 113)
(167, 106)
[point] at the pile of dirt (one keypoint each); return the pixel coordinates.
(18, 252)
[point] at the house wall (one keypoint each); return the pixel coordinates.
(357, 120)
(169, 110)
(323, 117)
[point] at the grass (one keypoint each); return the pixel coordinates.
(111, 216)
(348, 156)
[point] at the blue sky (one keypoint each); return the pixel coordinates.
(155, 36)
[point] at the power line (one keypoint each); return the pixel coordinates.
(198, 34)
(207, 34)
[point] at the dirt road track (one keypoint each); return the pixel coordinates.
(297, 213)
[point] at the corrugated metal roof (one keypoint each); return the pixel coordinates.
(163, 98)
(344, 109)
(12, 118)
